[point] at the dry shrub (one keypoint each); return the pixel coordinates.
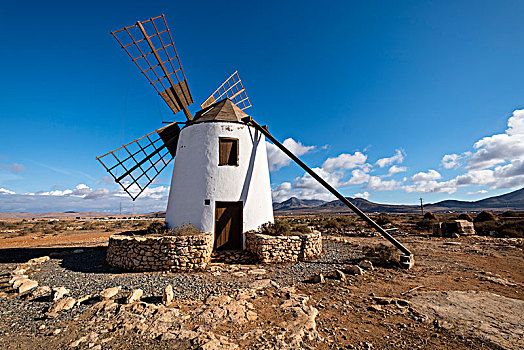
(430, 216)
(184, 230)
(510, 214)
(465, 216)
(278, 228)
(507, 229)
(302, 228)
(382, 255)
(382, 219)
(156, 228)
(485, 216)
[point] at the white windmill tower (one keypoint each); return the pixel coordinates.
(220, 180)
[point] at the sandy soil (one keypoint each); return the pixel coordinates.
(464, 293)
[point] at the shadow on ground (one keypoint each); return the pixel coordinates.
(79, 259)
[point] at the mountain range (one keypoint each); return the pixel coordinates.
(509, 201)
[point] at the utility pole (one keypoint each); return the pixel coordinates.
(421, 207)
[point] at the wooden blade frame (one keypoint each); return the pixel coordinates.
(233, 89)
(151, 47)
(135, 165)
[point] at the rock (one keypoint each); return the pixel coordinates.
(26, 286)
(62, 304)
(135, 296)
(167, 297)
(355, 270)
(41, 291)
(18, 282)
(20, 270)
(38, 261)
(384, 300)
(59, 292)
(84, 298)
(340, 275)
(318, 278)
(16, 278)
(375, 308)
(78, 251)
(238, 274)
(366, 265)
(402, 302)
(109, 292)
(258, 272)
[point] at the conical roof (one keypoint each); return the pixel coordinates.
(224, 110)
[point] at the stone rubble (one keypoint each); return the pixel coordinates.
(134, 296)
(110, 292)
(59, 292)
(355, 270)
(168, 295)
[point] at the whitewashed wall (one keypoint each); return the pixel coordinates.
(197, 177)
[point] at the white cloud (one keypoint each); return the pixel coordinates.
(450, 161)
(396, 169)
(478, 192)
(500, 148)
(377, 184)
(364, 195)
(359, 176)
(278, 159)
(397, 158)
(432, 186)
(345, 161)
(426, 176)
(6, 191)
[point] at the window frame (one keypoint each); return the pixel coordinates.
(235, 142)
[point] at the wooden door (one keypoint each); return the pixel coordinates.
(228, 225)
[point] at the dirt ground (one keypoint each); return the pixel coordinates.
(463, 293)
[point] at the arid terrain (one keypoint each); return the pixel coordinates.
(462, 293)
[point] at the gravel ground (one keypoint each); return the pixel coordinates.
(86, 273)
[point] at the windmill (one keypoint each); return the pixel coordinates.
(220, 180)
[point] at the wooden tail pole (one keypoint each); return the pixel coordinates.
(406, 258)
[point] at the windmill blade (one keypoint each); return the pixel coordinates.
(135, 165)
(233, 89)
(150, 45)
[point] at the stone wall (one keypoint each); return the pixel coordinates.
(277, 249)
(453, 227)
(155, 253)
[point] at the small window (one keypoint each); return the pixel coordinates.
(228, 151)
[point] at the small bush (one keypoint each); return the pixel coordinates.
(465, 216)
(156, 228)
(382, 255)
(485, 216)
(279, 227)
(510, 214)
(383, 219)
(430, 216)
(303, 228)
(184, 230)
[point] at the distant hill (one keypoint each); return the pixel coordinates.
(295, 203)
(512, 201)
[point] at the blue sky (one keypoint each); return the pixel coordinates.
(356, 87)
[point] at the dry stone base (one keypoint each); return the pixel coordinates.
(156, 253)
(448, 228)
(278, 249)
